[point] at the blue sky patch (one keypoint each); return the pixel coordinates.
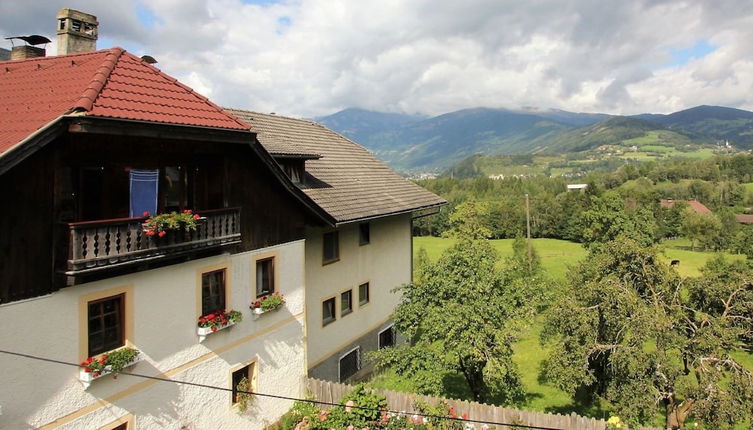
(683, 56)
(147, 18)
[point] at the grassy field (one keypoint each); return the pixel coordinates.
(556, 257)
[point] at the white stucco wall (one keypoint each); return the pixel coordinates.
(164, 303)
(385, 263)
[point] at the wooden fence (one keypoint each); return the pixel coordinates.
(326, 391)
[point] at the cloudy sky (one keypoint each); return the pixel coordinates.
(315, 57)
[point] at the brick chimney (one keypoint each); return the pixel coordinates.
(23, 52)
(77, 32)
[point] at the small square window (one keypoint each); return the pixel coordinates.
(346, 303)
(212, 291)
(265, 277)
(349, 364)
(331, 247)
(106, 326)
(363, 294)
(364, 234)
(238, 376)
(387, 337)
(328, 311)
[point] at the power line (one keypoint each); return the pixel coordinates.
(276, 396)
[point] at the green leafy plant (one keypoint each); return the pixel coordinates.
(243, 396)
(268, 303)
(219, 318)
(160, 224)
(361, 408)
(113, 362)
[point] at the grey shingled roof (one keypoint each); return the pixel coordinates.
(279, 146)
(348, 182)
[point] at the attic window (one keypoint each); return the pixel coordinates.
(294, 169)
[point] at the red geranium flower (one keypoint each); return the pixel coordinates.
(162, 234)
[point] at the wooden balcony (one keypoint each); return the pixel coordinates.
(97, 246)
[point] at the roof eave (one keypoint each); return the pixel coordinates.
(430, 210)
(31, 144)
(286, 182)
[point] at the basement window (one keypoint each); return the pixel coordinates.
(349, 364)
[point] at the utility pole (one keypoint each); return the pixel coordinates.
(528, 229)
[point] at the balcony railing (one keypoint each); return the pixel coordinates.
(107, 244)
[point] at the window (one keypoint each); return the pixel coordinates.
(346, 303)
(387, 337)
(212, 291)
(328, 311)
(123, 423)
(246, 372)
(349, 364)
(331, 248)
(364, 234)
(363, 294)
(106, 324)
(265, 277)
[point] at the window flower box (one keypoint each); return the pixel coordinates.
(266, 304)
(159, 225)
(216, 321)
(94, 368)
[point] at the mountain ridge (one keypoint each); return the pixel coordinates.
(418, 143)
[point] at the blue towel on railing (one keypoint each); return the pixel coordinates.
(144, 187)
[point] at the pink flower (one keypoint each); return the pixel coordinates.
(196, 216)
(162, 234)
(349, 407)
(145, 213)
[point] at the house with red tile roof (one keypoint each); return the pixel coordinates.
(92, 144)
(144, 221)
(744, 218)
(694, 205)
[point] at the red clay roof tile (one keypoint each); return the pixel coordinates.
(110, 83)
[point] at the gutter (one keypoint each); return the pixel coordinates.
(428, 208)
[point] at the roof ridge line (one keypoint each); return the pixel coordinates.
(86, 100)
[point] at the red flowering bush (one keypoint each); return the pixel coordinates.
(267, 303)
(160, 224)
(219, 318)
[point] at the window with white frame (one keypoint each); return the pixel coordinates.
(387, 337)
(349, 364)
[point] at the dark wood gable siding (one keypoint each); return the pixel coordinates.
(42, 195)
(26, 228)
(268, 219)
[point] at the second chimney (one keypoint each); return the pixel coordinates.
(77, 32)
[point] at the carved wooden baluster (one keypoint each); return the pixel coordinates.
(84, 244)
(118, 236)
(128, 243)
(95, 244)
(108, 241)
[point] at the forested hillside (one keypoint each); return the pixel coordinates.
(628, 197)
